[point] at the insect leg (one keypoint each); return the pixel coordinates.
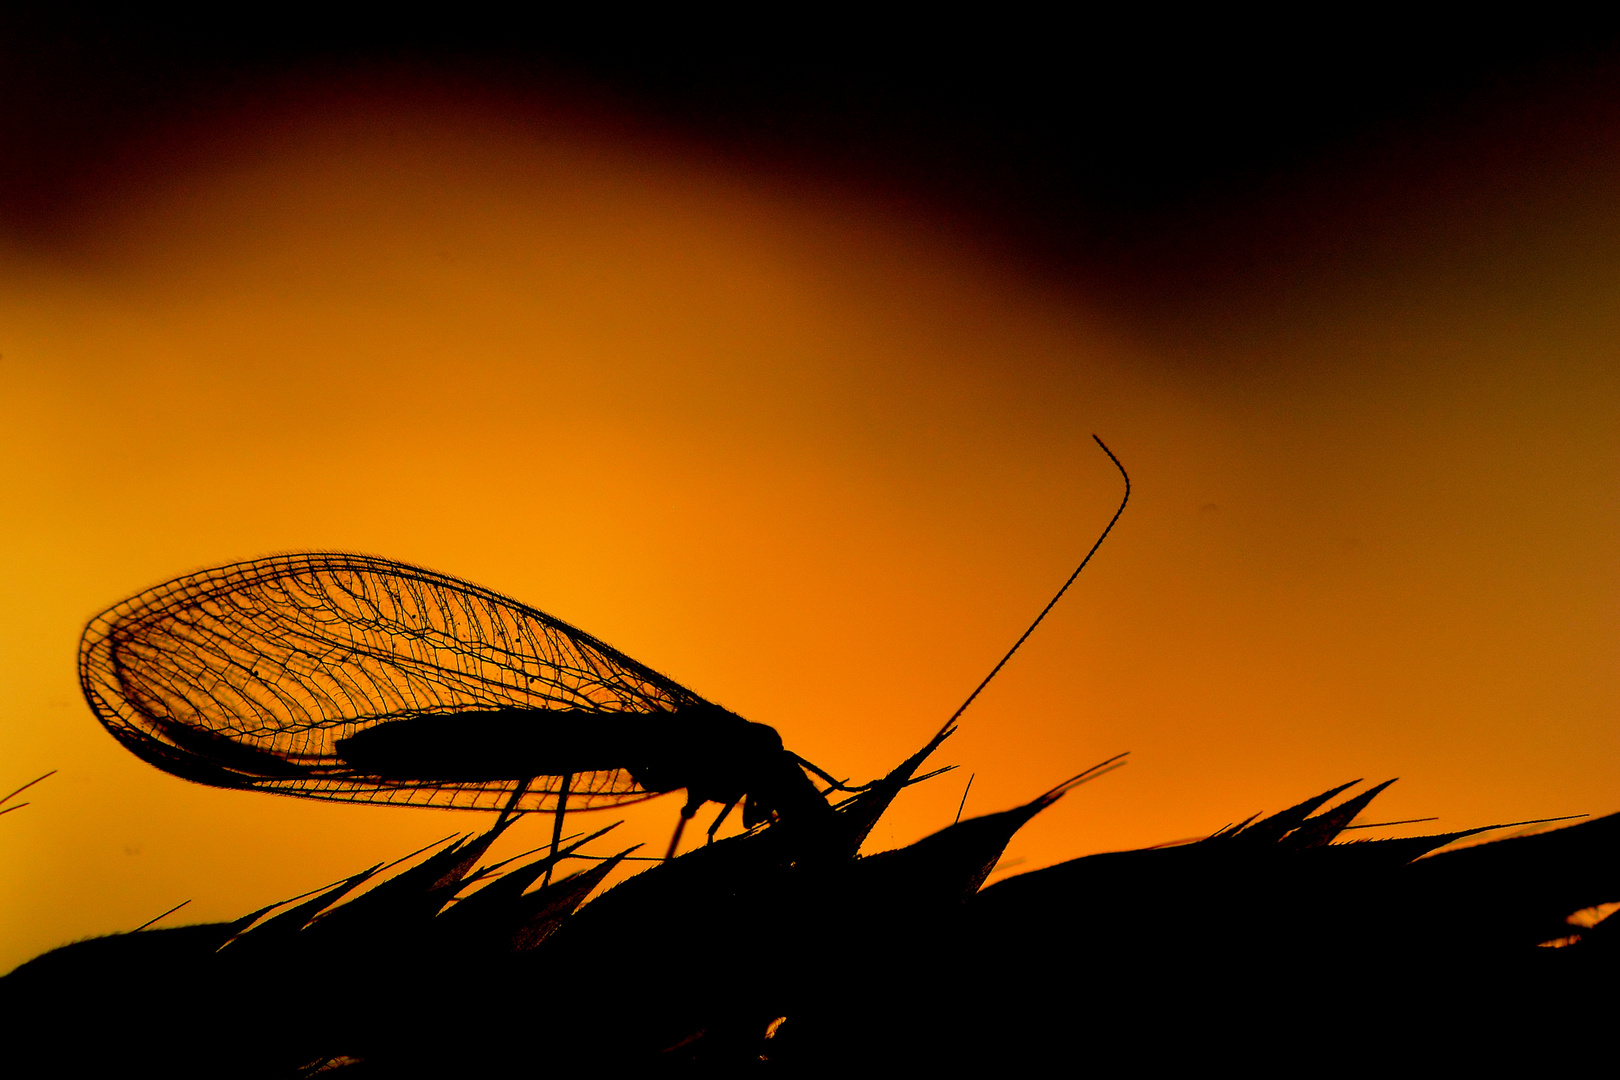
(511, 804)
(837, 785)
(688, 812)
(721, 819)
(556, 826)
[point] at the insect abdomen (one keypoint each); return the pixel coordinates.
(503, 744)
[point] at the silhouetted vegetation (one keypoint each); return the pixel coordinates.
(1275, 943)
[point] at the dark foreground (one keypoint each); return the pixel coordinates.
(1266, 947)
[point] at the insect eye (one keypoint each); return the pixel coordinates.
(764, 739)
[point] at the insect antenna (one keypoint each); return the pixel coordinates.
(951, 723)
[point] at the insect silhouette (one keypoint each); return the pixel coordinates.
(351, 677)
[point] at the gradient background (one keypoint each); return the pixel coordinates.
(778, 371)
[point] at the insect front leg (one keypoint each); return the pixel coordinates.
(837, 785)
(721, 819)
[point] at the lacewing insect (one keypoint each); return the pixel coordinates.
(352, 677)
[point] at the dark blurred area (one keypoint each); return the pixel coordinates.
(1152, 151)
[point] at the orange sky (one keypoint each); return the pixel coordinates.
(820, 459)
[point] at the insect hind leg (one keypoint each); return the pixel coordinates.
(511, 807)
(556, 826)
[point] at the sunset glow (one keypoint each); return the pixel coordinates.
(819, 456)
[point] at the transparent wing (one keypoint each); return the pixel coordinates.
(247, 675)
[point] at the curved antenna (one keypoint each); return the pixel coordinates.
(951, 723)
